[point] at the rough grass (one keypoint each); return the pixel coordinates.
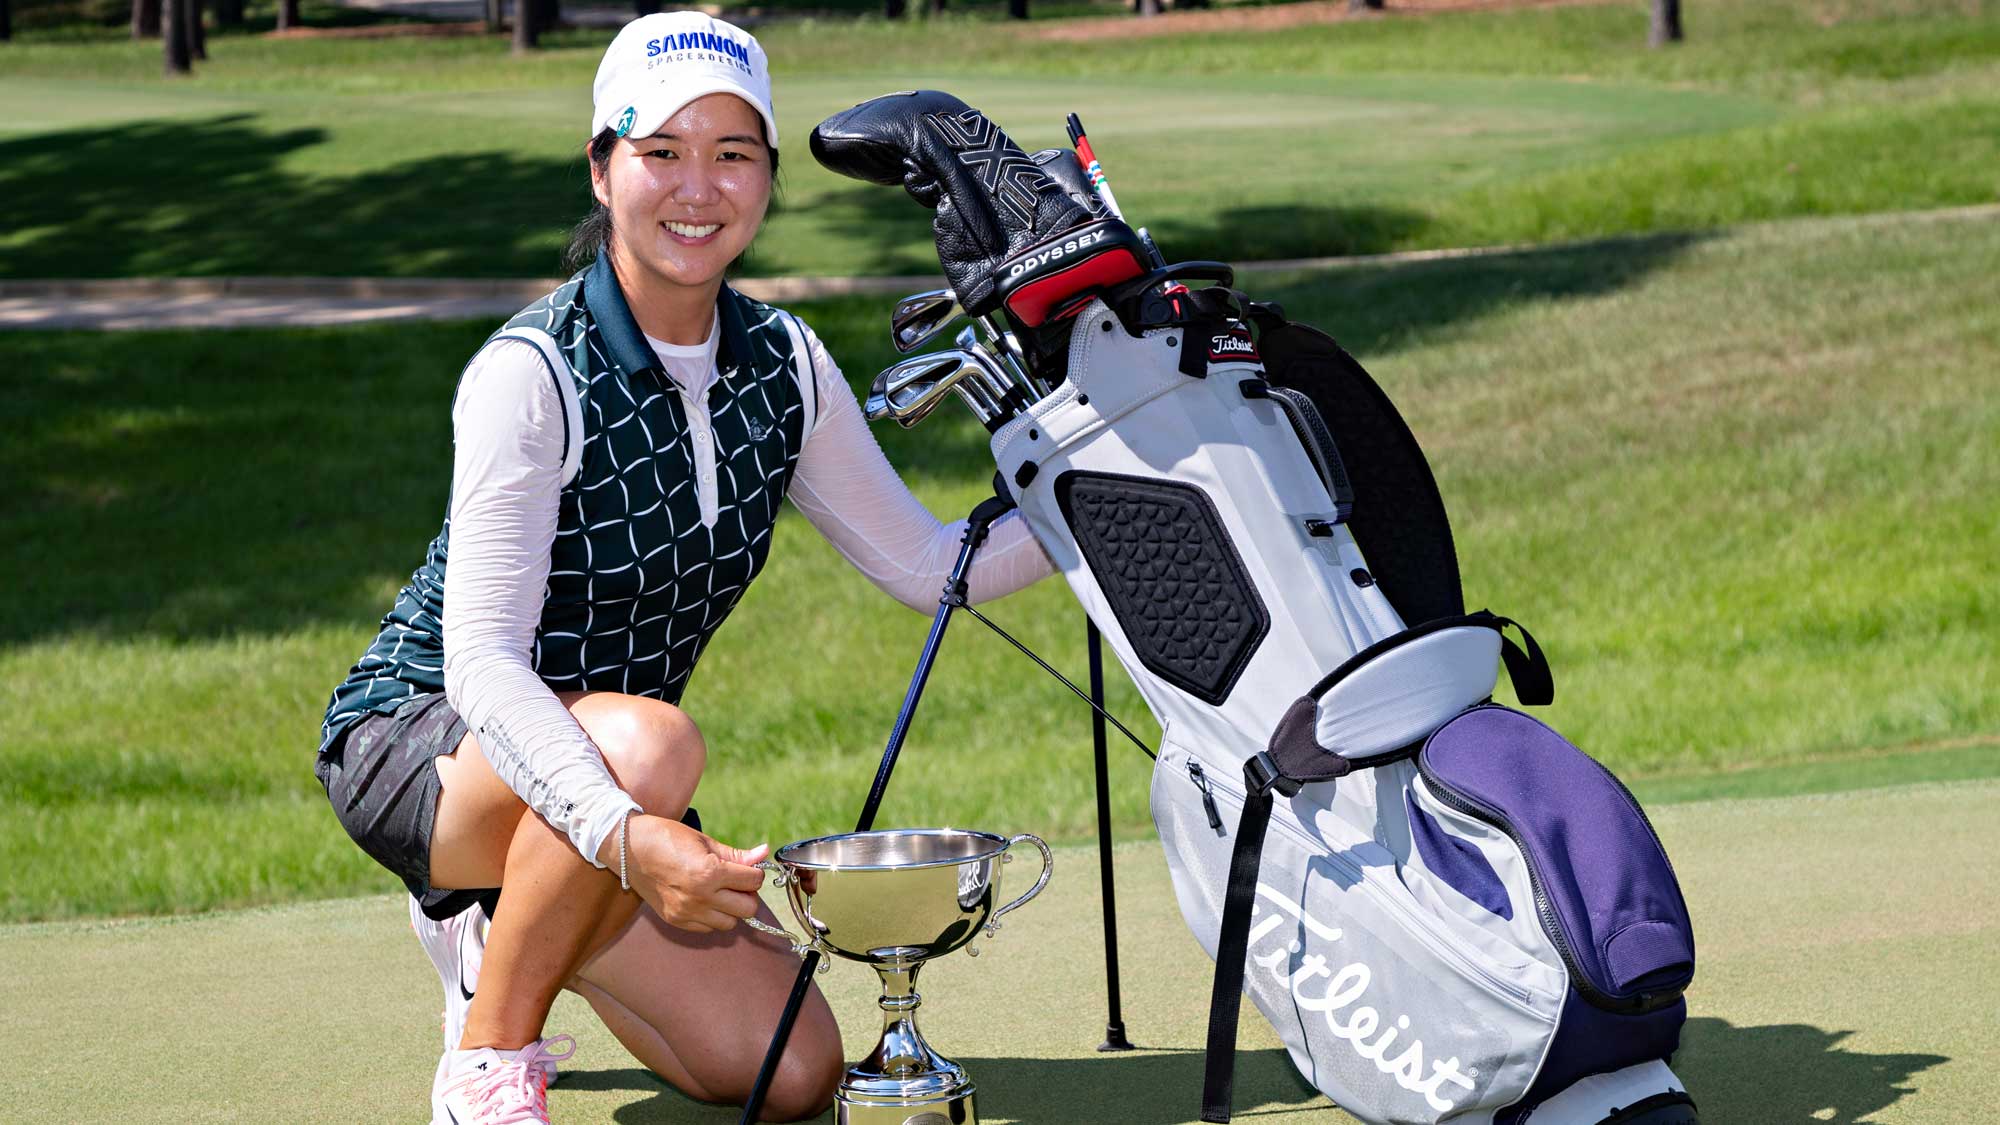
(1740, 486)
(442, 156)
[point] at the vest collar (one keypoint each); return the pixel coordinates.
(627, 345)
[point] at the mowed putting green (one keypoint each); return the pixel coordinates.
(1849, 953)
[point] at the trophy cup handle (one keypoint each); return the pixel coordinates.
(800, 947)
(1048, 869)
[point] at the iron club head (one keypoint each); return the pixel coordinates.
(910, 389)
(921, 317)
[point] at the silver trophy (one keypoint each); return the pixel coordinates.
(893, 900)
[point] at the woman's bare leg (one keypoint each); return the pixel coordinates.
(556, 907)
(699, 1011)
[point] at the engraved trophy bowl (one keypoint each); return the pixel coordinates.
(894, 899)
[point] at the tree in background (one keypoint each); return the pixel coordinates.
(145, 19)
(174, 36)
(1017, 9)
(494, 19)
(1364, 5)
(288, 14)
(197, 35)
(525, 37)
(228, 13)
(1666, 23)
(6, 21)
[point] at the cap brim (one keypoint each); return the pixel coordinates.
(653, 109)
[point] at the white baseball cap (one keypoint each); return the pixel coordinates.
(660, 63)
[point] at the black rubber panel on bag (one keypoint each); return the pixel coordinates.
(1399, 518)
(1175, 582)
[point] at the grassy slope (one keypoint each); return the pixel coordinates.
(1740, 487)
(453, 158)
(1820, 997)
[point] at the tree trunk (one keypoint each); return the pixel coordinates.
(1364, 5)
(6, 21)
(145, 19)
(548, 13)
(934, 6)
(197, 34)
(228, 13)
(1017, 9)
(494, 20)
(1146, 9)
(525, 32)
(893, 9)
(288, 14)
(1666, 23)
(174, 36)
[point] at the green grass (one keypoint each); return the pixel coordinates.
(1848, 960)
(446, 156)
(1740, 486)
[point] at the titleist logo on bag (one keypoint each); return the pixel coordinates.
(1234, 344)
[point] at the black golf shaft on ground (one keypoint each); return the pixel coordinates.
(976, 527)
(1114, 1016)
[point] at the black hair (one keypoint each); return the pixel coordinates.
(588, 238)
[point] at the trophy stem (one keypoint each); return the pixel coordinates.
(902, 1052)
(902, 1079)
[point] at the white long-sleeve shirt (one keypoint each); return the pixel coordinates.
(507, 475)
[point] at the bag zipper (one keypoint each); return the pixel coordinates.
(1442, 948)
(1544, 906)
(1200, 780)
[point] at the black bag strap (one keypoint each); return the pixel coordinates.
(1293, 759)
(1317, 439)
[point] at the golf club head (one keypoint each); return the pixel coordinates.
(921, 317)
(908, 390)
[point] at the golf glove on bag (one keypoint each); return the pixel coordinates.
(1006, 223)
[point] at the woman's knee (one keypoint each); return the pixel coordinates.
(653, 748)
(804, 1084)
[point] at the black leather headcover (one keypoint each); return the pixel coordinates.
(992, 200)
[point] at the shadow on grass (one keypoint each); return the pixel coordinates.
(1775, 1074)
(1790, 1074)
(1142, 1088)
(213, 197)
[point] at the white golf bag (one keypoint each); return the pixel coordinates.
(1448, 912)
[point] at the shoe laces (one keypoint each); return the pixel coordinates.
(516, 1092)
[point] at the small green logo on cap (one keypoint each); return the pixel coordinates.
(625, 120)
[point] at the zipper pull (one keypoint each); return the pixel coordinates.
(1200, 780)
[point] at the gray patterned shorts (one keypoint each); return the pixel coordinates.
(384, 789)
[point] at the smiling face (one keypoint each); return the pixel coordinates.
(687, 200)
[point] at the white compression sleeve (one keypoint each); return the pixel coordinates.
(848, 490)
(507, 463)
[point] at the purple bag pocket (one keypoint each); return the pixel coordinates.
(1605, 893)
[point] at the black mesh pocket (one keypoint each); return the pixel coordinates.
(1174, 580)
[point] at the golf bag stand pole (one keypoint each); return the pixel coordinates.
(1114, 1019)
(976, 526)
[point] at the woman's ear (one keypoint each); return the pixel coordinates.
(600, 176)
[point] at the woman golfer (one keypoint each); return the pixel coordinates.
(509, 745)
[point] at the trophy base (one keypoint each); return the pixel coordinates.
(955, 1110)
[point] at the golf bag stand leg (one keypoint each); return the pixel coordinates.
(1114, 1017)
(976, 526)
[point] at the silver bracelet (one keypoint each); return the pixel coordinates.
(624, 884)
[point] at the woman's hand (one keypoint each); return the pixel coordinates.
(690, 880)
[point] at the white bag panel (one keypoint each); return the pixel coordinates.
(1373, 999)
(1409, 691)
(1242, 454)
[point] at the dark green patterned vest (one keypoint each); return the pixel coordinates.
(636, 584)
